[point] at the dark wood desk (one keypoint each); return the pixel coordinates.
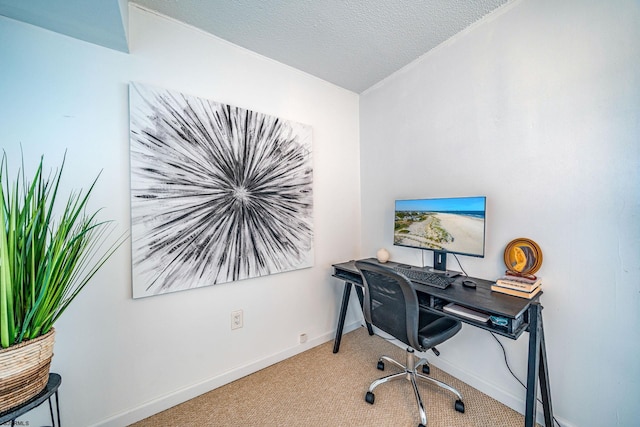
(521, 315)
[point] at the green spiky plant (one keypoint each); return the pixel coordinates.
(44, 262)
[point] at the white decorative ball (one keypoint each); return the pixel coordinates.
(383, 255)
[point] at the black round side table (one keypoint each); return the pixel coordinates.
(50, 390)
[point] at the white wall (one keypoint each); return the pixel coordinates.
(123, 359)
(538, 108)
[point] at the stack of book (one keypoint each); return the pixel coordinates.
(518, 286)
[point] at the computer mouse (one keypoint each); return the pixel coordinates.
(468, 283)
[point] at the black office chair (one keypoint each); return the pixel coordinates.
(391, 304)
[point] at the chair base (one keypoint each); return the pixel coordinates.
(409, 372)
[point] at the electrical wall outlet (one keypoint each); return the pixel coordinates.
(236, 319)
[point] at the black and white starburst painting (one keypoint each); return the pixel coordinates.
(218, 193)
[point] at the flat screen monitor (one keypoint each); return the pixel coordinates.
(446, 225)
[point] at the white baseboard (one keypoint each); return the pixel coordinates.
(169, 400)
(179, 396)
(516, 403)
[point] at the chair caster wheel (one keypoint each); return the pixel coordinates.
(369, 397)
(421, 425)
(425, 369)
(459, 406)
(381, 365)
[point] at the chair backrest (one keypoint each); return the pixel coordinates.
(390, 302)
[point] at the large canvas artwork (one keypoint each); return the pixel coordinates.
(218, 193)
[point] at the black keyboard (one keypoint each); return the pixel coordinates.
(424, 277)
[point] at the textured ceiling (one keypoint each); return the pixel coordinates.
(351, 43)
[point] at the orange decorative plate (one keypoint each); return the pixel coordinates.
(523, 257)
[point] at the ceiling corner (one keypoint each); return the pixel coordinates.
(101, 22)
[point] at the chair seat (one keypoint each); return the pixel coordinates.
(438, 332)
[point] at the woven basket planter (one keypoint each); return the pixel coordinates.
(24, 370)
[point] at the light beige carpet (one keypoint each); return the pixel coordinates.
(319, 388)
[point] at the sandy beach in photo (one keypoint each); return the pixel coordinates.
(466, 231)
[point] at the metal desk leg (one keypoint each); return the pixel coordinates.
(535, 327)
(537, 370)
(543, 374)
(360, 293)
(343, 312)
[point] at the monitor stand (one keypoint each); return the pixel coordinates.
(440, 264)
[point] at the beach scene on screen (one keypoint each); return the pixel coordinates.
(455, 225)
